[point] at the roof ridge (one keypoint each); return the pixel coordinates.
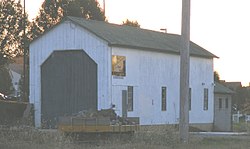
(220, 88)
(134, 37)
(121, 25)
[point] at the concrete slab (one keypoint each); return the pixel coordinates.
(240, 135)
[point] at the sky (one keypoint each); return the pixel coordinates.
(220, 26)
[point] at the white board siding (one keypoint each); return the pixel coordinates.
(201, 76)
(148, 72)
(68, 36)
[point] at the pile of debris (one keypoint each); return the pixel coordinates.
(105, 113)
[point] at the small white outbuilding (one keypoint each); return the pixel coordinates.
(85, 64)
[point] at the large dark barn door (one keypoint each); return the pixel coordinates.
(68, 85)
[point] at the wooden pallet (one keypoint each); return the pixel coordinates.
(92, 125)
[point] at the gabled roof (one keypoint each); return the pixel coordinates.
(221, 89)
(137, 38)
(134, 37)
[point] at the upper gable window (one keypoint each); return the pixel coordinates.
(118, 65)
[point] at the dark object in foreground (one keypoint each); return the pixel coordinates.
(103, 121)
(11, 112)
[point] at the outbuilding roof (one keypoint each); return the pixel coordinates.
(134, 37)
(221, 89)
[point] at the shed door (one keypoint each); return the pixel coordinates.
(68, 85)
(222, 113)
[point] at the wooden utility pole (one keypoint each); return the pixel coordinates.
(104, 8)
(184, 72)
(24, 54)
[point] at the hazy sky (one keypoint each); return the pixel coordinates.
(220, 26)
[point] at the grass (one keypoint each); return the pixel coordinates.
(241, 127)
(166, 138)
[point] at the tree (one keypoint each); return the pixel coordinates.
(53, 11)
(131, 23)
(11, 30)
(239, 98)
(89, 9)
(12, 41)
(216, 76)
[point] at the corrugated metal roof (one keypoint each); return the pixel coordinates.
(219, 88)
(134, 37)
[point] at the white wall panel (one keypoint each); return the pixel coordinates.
(146, 71)
(149, 71)
(68, 36)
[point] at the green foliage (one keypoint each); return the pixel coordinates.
(241, 98)
(53, 11)
(131, 23)
(242, 126)
(216, 76)
(89, 9)
(11, 30)
(5, 81)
